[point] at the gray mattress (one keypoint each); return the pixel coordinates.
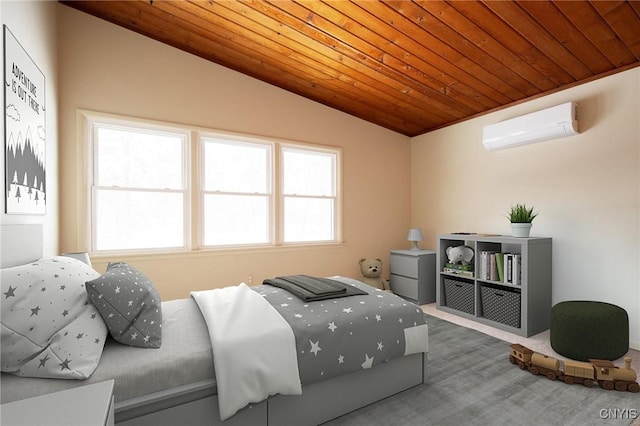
(185, 357)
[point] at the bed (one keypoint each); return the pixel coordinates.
(176, 383)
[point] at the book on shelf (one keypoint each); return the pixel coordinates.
(500, 266)
(493, 266)
(459, 266)
(468, 274)
(516, 276)
(513, 268)
(458, 269)
(493, 270)
(488, 267)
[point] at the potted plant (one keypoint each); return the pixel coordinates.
(521, 218)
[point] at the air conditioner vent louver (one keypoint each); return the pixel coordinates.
(551, 123)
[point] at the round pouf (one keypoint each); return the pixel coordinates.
(584, 330)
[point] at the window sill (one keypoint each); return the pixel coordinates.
(209, 252)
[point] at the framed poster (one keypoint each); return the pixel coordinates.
(24, 131)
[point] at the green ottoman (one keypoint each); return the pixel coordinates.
(584, 330)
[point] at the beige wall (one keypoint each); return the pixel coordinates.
(109, 69)
(586, 188)
(34, 26)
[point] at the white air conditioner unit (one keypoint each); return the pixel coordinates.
(551, 123)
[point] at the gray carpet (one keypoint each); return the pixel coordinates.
(471, 382)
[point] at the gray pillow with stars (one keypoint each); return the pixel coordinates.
(129, 304)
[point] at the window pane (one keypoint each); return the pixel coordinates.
(135, 159)
(308, 219)
(236, 167)
(235, 219)
(309, 173)
(139, 220)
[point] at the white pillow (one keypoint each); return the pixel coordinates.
(49, 327)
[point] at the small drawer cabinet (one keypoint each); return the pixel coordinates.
(413, 275)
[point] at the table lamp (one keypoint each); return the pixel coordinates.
(415, 235)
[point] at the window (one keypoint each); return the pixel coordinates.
(309, 195)
(237, 195)
(249, 191)
(139, 192)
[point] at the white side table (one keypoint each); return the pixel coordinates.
(90, 405)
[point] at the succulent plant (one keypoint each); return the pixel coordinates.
(521, 214)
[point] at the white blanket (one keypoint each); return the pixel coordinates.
(254, 348)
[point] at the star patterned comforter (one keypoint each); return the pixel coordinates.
(296, 342)
(339, 336)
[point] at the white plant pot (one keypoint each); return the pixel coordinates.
(520, 230)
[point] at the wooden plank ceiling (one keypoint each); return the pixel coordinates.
(409, 66)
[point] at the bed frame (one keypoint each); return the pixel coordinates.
(197, 403)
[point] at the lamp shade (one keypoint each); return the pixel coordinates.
(415, 235)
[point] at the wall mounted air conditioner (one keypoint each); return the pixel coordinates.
(551, 123)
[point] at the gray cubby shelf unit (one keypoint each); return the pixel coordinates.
(522, 309)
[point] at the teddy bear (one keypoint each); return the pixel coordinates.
(371, 269)
(460, 254)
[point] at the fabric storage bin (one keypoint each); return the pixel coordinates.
(459, 295)
(501, 305)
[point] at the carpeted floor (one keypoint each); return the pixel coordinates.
(539, 342)
(471, 382)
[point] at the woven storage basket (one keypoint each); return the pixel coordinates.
(501, 305)
(459, 295)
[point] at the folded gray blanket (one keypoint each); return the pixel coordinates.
(310, 289)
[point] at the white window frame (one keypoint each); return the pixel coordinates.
(94, 122)
(193, 178)
(336, 197)
(203, 137)
(277, 196)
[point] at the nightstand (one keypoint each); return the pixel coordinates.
(413, 275)
(90, 405)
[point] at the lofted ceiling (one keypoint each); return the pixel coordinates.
(409, 66)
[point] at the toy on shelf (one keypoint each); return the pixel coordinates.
(460, 254)
(603, 372)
